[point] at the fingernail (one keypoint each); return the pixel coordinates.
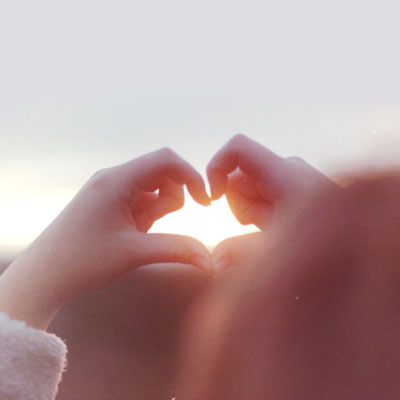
(203, 263)
(221, 263)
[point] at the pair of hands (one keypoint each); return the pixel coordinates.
(102, 234)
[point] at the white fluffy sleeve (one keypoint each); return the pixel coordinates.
(31, 361)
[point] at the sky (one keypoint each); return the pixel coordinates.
(89, 84)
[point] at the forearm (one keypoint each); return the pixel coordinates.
(25, 295)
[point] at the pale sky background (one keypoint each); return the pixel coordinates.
(89, 84)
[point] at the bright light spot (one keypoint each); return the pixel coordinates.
(210, 224)
(24, 218)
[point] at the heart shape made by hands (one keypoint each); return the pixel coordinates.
(210, 225)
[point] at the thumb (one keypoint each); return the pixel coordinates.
(239, 251)
(152, 248)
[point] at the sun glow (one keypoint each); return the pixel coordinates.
(23, 218)
(210, 225)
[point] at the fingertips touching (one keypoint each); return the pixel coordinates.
(221, 262)
(204, 263)
(225, 254)
(197, 254)
(169, 248)
(237, 251)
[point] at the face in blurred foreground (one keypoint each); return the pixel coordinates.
(315, 317)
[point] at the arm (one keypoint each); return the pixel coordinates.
(96, 240)
(102, 235)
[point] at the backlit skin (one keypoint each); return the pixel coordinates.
(255, 180)
(104, 228)
(102, 235)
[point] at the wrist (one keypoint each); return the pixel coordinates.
(23, 296)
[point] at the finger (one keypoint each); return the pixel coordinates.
(241, 194)
(142, 219)
(251, 157)
(171, 197)
(243, 184)
(154, 248)
(246, 203)
(152, 206)
(239, 251)
(150, 171)
(258, 213)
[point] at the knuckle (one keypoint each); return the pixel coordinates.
(167, 153)
(295, 160)
(238, 138)
(101, 178)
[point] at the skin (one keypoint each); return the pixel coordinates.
(104, 228)
(259, 186)
(104, 231)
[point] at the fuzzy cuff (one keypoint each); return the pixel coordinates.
(31, 361)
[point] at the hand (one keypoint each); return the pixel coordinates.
(101, 236)
(256, 181)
